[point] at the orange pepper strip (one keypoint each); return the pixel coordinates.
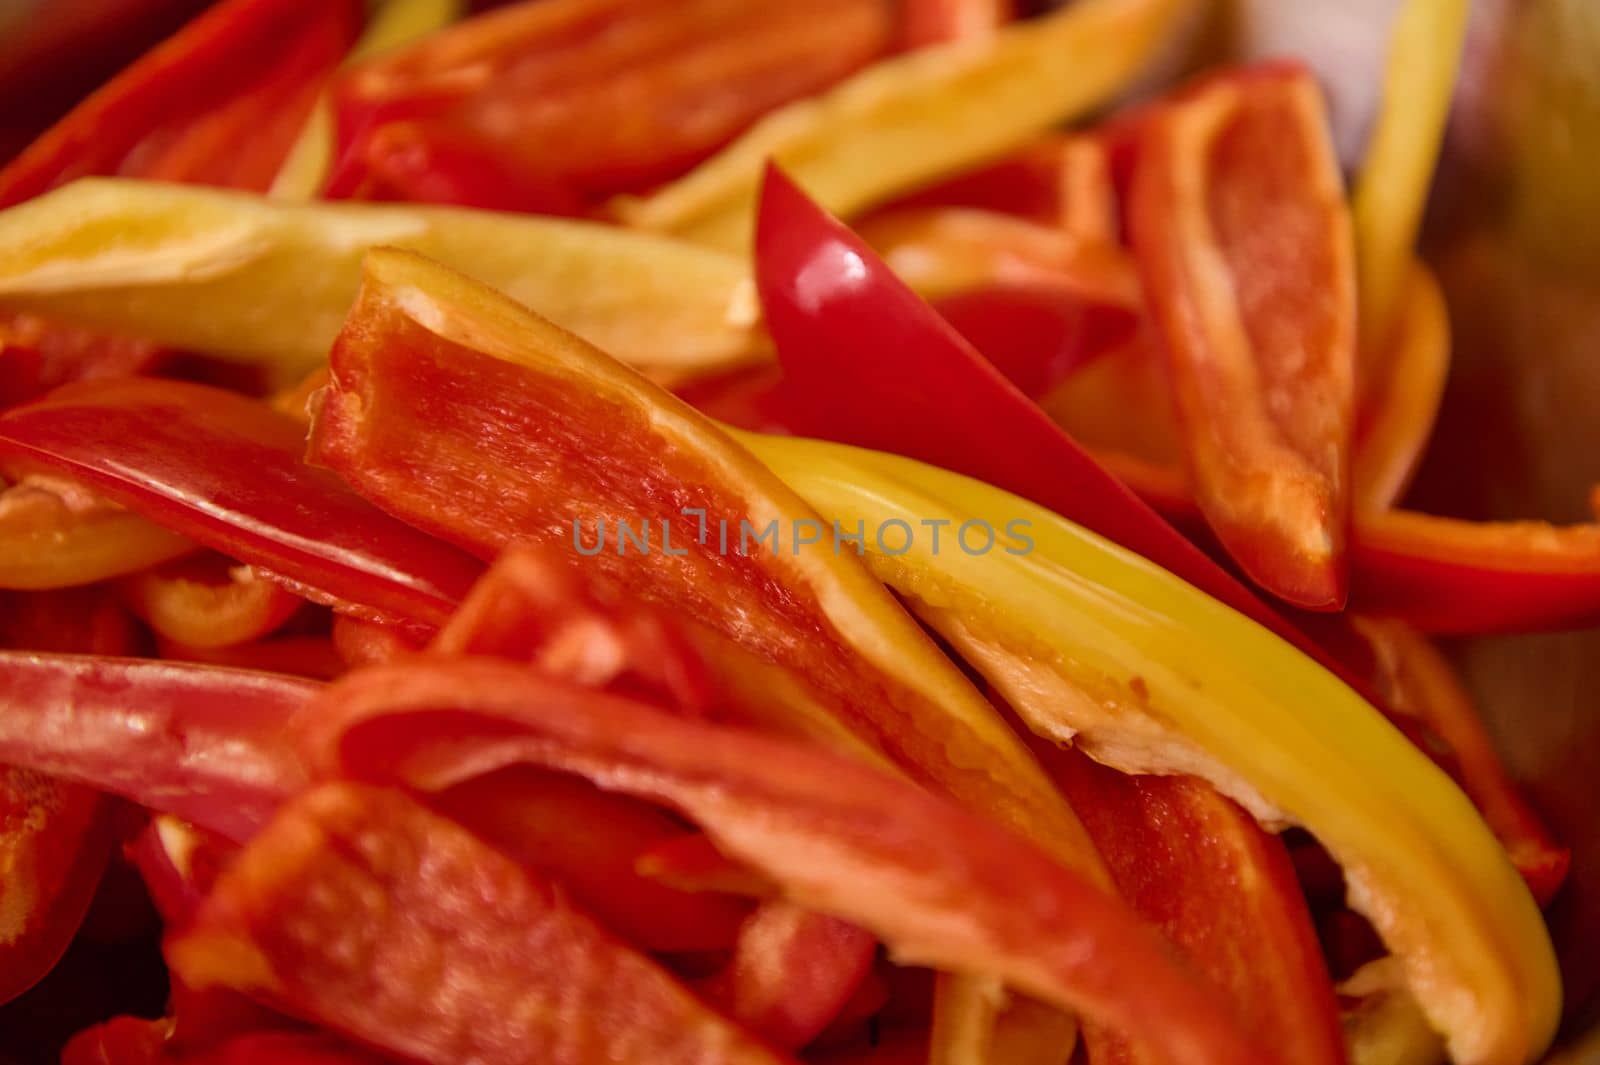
(1240, 226)
(1397, 413)
(208, 601)
(416, 420)
(1423, 683)
(56, 533)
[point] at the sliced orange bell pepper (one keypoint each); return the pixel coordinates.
(208, 601)
(1240, 227)
(57, 533)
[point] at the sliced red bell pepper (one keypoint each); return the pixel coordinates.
(476, 420)
(285, 1048)
(851, 336)
(226, 471)
(1456, 577)
(219, 102)
(1199, 867)
(791, 974)
(576, 99)
(299, 656)
(202, 742)
(935, 883)
(360, 909)
(1423, 683)
(530, 608)
(361, 643)
(54, 842)
(119, 1041)
(693, 863)
(588, 841)
(1240, 227)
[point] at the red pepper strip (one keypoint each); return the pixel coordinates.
(55, 837)
(54, 842)
(588, 841)
(1424, 684)
(791, 973)
(285, 1048)
(361, 643)
(298, 656)
(178, 863)
(934, 882)
(226, 471)
(488, 451)
(1036, 337)
(1240, 227)
(360, 909)
(577, 99)
(119, 1041)
(693, 863)
(851, 336)
(1457, 577)
(929, 22)
(201, 742)
(219, 102)
(530, 608)
(1199, 867)
(208, 601)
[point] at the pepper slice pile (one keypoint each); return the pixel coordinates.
(509, 707)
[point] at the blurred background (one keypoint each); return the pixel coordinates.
(1514, 232)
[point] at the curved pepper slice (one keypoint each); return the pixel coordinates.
(236, 275)
(1199, 867)
(838, 314)
(362, 910)
(1238, 221)
(1095, 645)
(55, 533)
(484, 424)
(938, 885)
(395, 22)
(217, 103)
(202, 742)
(226, 471)
(913, 118)
(578, 99)
(207, 602)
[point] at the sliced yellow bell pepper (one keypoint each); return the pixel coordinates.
(1418, 81)
(396, 22)
(1094, 645)
(913, 118)
(270, 282)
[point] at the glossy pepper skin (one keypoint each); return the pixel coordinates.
(175, 452)
(1090, 642)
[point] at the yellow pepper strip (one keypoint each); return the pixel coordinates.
(1420, 76)
(270, 282)
(56, 533)
(1401, 407)
(1095, 645)
(396, 22)
(918, 116)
